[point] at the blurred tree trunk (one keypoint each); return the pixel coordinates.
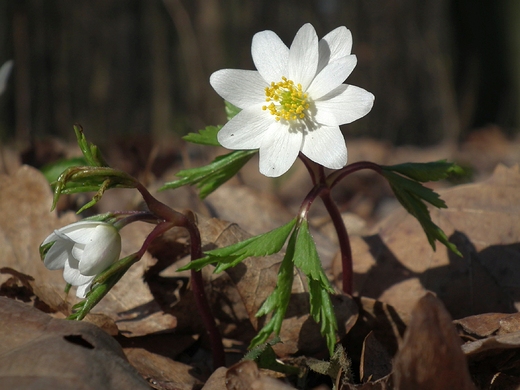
(123, 67)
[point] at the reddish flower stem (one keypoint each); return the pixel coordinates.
(322, 187)
(174, 218)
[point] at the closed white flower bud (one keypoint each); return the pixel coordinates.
(83, 249)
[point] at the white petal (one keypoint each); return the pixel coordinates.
(332, 76)
(270, 55)
(246, 130)
(239, 87)
(326, 146)
(80, 231)
(345, 104)
(303, 56)
(279, 150)
(101, 252)
(82, 290)
(58, 255)
(74, 277)
(334, 45)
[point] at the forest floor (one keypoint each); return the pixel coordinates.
(411, 312)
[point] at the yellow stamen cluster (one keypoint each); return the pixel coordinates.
(292, 102)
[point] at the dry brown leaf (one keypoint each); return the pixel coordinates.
(396, 265)
(217, 380)
(38, 351)
(25, 221)
(246, 376)
(161, 372)
(430, 356)
(256, 211)
(483, 325)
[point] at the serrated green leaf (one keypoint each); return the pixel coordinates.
(424, 172)
(207, 136)
(322, 311)
(208, 178)
(306, 258)
(278, 300)
(411, 196)
(231, 110)
(262, 245)
(416, 188)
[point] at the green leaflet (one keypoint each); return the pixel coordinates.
(262, 245)
(412, 195)
(301, 252)
(212, 176)
(306, 258)
(207, 136)
(423, 172)
(89, 150)
(52, 171)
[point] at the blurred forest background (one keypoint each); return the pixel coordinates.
(137, 68)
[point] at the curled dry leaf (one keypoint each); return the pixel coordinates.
(430, 356)
(397, 265)
(38, 351)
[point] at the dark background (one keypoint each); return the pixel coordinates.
(439, 68)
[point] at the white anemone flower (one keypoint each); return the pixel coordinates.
(295, 101)
(83, 249)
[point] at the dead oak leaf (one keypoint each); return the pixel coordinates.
(397, 265)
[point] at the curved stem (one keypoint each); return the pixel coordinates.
(197, 284)
(344, 242)
(336, 176)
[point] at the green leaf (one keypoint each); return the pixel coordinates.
(307, 259)
(89, 150)
(231, 110)
(423, 172)
(88, 178)
(265, 357)
(53, 171)
(278, 300)
(212, 176)
(262, 245)
(411, 195)
(207, 136)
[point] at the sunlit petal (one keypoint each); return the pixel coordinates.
(350, 104)
(246, 130)
(241, 88)
(278, 152)
(326, 146)
(303, 56)
(270, 55)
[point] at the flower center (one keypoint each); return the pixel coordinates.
(287, 100)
